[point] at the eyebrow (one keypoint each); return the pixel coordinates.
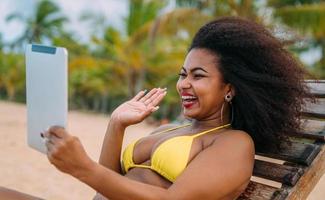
(195, 69)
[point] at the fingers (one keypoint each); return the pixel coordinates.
(54, 137)
(147, 97)
(154, 109)
(153, 97)
(158, 98)
(51, 144)
(58, 132)
(139, 95)
(51, 139)
(155, 100)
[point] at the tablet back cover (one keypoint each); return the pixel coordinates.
(46, 91)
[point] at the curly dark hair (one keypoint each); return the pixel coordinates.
(268, 81)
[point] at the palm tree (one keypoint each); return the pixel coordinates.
(154, 48)
(306, 16)
(140, 13)
(216, 8)
(123, 49)
(69, 41)
(12, 75)
(151, 50)
(45, 22)
(161, 45)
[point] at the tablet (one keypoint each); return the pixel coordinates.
(46, 91)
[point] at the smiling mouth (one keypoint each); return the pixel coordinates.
(188, 101)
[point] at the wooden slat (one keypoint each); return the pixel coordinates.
(294, 152)
(313, 115)
(312, 135)
(318, 95)
(310, 155)
(312, 125)
(310, 178)
(312, 129)
(317, 87)
(258, 191)
(276, 172)
(315, 110)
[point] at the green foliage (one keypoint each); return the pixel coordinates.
(93, 83)
(147, 53)
(68, 41)
(307, 17)
(282, 3)
(140, 12)
(244, 8)
(12, 77)
(45, 23)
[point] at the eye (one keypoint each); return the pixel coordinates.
(197, 76)
(182, 75)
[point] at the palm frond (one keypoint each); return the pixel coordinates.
(15, 16)
(308, 18)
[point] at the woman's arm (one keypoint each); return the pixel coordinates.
(111, 149)
(216, 173)
(112, 144)
(6, 193)
(111, 140)
(130, 112)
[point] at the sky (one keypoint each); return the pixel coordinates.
(113, 10)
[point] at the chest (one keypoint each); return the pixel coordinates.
(172, 148)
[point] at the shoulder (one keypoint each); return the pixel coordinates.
(233, 147)
(222, 169)
(235, 143)
(236, 138)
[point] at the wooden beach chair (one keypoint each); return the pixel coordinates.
(302, 161)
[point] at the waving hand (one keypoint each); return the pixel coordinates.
(139, 107)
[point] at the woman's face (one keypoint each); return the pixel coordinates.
(200, 85)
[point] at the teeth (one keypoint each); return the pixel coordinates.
(188, 97)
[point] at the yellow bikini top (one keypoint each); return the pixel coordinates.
(170, 157)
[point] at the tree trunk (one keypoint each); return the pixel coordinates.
(10, 92)
(140, 80)
(104, 104)
(132, 80)
(96, 103)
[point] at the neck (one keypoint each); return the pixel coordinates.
(210, 122)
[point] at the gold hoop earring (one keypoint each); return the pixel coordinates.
(223, 104)
(232, 113)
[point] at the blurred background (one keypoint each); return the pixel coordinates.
(118, 47)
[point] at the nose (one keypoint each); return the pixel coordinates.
(184, 83)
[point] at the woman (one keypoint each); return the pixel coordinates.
(241, 91)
